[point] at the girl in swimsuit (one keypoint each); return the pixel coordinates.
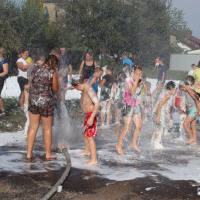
(192, 105)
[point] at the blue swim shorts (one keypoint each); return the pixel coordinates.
(191, 111)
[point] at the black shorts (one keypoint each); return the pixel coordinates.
(130, 111)
(198, 94)
(1, 85)
(22, 82)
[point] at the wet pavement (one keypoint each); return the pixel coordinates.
(171, 173)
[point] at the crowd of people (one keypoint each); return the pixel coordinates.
(126, 94)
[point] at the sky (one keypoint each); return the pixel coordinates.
(191, 16)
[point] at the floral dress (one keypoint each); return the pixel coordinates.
(41, 99)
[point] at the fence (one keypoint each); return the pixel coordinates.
(182, 62)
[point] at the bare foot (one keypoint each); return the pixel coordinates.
(135, 147)
(119, 150)
(194, 143)
(30, 156)
(51, 156)
(91, 162)
(190, 141)
(84, 154)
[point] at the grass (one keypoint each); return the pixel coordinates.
(14, 119)
(150, 73)
(171, 74)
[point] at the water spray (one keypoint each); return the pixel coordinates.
(58, 186)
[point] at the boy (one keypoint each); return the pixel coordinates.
(162, 115)
(162, 70)
(90, 106)
(93, 81)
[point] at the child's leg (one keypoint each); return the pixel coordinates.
(117, 120)
(34, 124)
(108, 111)
(194, 131)
(92, 147)
(87, 148)
(103, 112)
(158, 136)
(138, 125)
(26, 126)
(182, 119)
(1, 105)
(126, 127)
(188, 130)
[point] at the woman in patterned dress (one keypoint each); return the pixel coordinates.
(44, 83)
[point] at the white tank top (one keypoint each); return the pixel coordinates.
(22, 73)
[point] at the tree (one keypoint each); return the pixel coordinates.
(141, 27)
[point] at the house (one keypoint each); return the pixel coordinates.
(50, 9)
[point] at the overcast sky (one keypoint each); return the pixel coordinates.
(191, 8)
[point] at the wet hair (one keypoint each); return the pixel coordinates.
(98, 69)
(125, 54)
(55, 51)
(23, 50)
(148, 83)
(2, 50)
(51, 61)
(181, 84)
(75, 82)
(189, 80)
(170, 85)
(109, 68)
(89, 53)
(121, 75)
(62, 46)
(162, 60)
(126, 68)
(136, 67)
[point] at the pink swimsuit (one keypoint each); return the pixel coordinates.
(128, 97)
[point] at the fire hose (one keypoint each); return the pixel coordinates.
(58, 186)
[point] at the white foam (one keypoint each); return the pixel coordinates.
(11, 88)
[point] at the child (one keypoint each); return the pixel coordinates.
(131, 109)
(179, 104)
(148, 98)
(156, 63)
(192, 105)
(90, 106)
(26, 96)
(162, 115)
(155, 94)
(117, 98)
(106, 85)
(93, 81)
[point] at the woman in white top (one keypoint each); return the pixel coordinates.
(22, 74)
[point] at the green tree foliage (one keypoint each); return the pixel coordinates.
(141, 27)
(22, 26)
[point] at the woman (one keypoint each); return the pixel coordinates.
(44, 83)
(87, 67)
(22, 74)
(3, 73)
